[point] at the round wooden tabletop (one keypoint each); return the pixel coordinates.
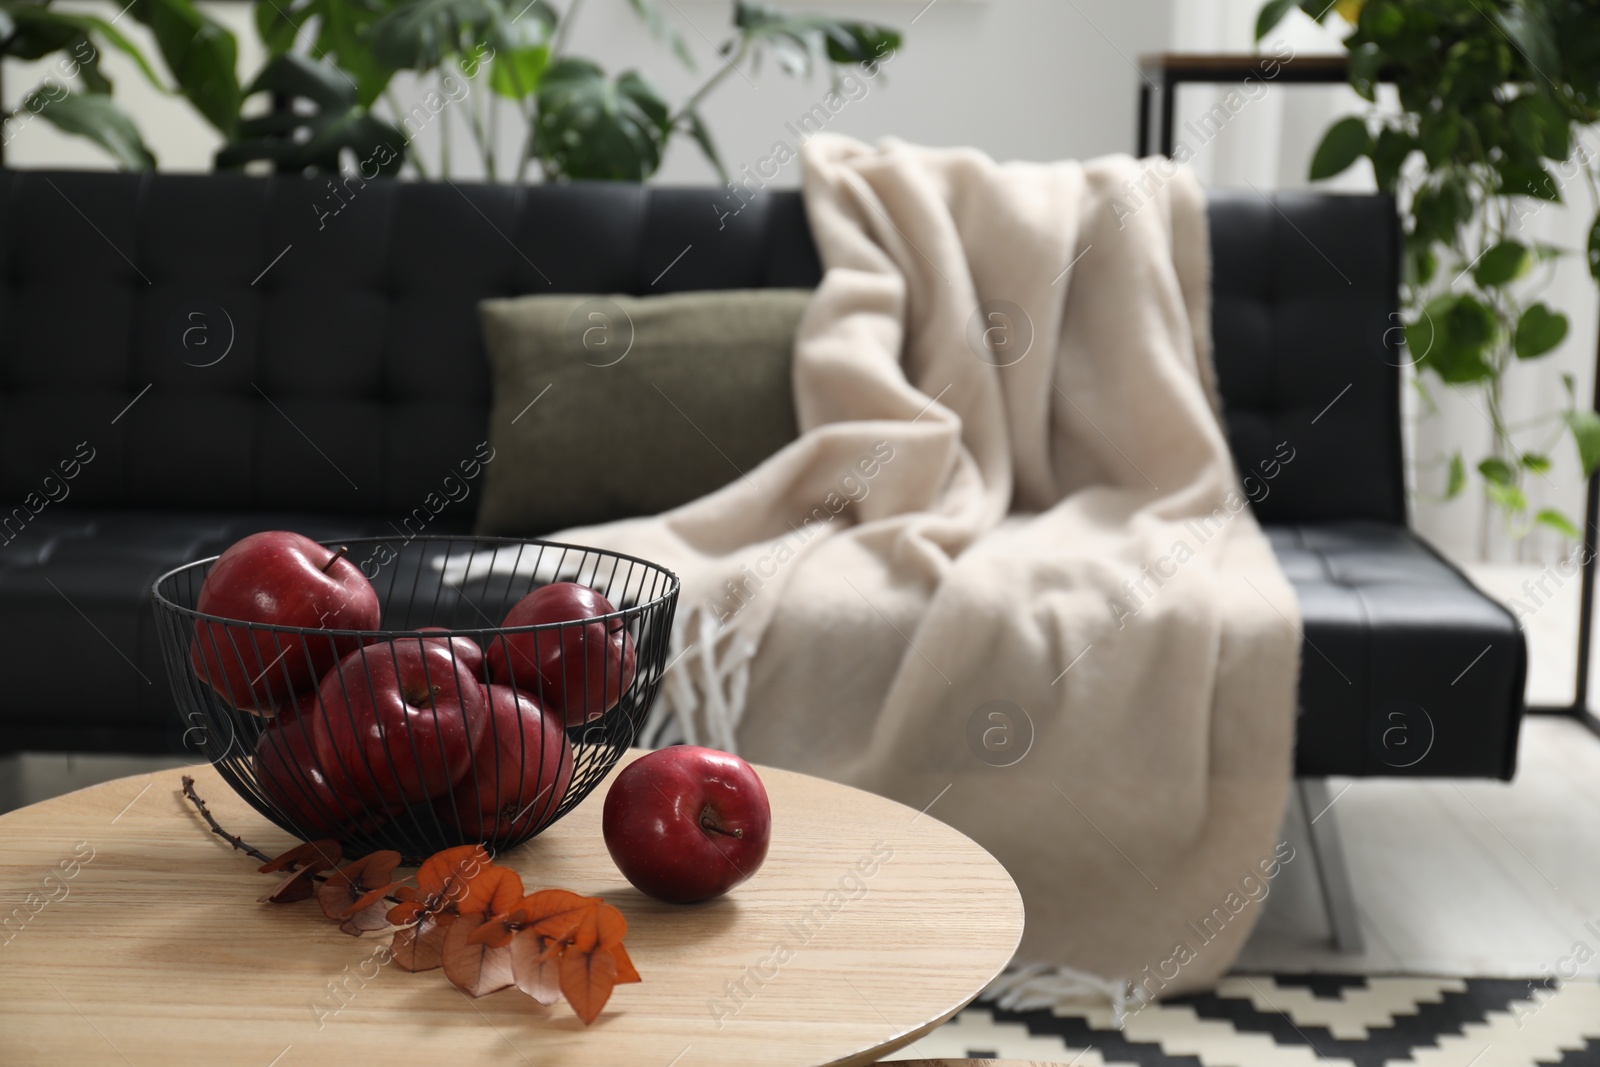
(129, 934)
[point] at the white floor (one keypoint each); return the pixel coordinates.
(1484, 879)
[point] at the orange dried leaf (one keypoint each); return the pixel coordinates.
(492, 891)
(536, 966)
(366, 920)
(371, 897)
(355, 886)
(312, 855)
(498, 931)
(297, 886)
(557, 913)
(613, 926)
(587, 979)
(445, 873)
(419, 947)
(625, 969)
(601, 927)
(334, 898)
(475, 969)
(369, 871)
(405, 913)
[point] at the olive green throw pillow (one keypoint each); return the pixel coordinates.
(616, 406)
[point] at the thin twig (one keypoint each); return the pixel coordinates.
(712, 82)
(216, 827)
(239, 842)
(558, 43)
(413, 156)
(444, 133)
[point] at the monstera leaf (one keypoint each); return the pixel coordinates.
(76, 41)
(298, 141)
(421, 34)
(521, 53)
(94, 116)
(202, 55)
(592, 127)
(694, 125)
(797, 40)
(655, 21)
(341, 36)
(33, 31)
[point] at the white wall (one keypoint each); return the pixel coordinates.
(1030, 79)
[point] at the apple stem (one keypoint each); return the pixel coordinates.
(335, 557)
(710, 827)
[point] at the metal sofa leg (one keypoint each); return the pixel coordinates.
(1333, 874)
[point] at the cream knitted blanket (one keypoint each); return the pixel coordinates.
(1007, 574)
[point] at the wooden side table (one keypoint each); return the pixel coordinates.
(129, 934)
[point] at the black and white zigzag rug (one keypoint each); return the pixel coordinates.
(1287, 1021)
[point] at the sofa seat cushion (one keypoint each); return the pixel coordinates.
(1407, 668)
(75, 617)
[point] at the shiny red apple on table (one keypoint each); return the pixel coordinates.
(318, 804)
(397, 718)
(685, 824)
(283, 579)
(579, 672)
(522, 769)
(468, 651)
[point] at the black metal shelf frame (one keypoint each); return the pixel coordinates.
(1162, 74)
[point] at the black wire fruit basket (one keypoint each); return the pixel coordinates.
(447, 723)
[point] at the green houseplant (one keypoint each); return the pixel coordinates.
(199, 54)
(1492, 96)
(332, 64)
(575, 121)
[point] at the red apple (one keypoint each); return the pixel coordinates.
(468, 651)
(318, 804)
(579, 672)
(282, 579)
(522, 768)
(398, 717)
(686, 824)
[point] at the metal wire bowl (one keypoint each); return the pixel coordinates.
(284, 759)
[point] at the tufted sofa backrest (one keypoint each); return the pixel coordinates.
(356, 378)
(1305, 295)
(260, 344)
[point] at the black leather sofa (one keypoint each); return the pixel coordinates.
(214, 355)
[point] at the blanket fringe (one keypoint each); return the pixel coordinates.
(702, 696)
(1041, 986)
